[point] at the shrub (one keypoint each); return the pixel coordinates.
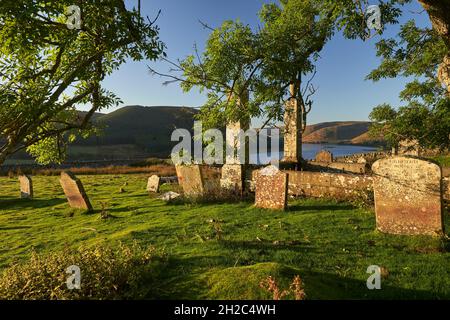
(295, 289)
(109, 273)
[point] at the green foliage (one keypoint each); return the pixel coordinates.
(106, 273)
(47, 151)
(247, 73)
(46, 69)
(426, 116)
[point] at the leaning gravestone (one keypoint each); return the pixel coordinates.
(408, 196)
(190, 179)
(271, 188)
(26, 187)
(324, 156)
(198, 180)
(74, 191)
(153, 184)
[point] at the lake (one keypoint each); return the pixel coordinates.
(338, 150)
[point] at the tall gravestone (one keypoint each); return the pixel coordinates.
(74, 191)
(271, 188)
(292, 129)
(408, 196)
(233, 171)
(26, 187)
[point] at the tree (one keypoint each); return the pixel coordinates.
(426, 116)
(249, 73)
(351, 16)
(420, 53)
(47, 67)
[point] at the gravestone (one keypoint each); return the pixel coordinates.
(271, 188)
(74, 191)
(26, 187)
(293, 130)
(408, 196)
(408, 148)
(233, 178)
(153, 184)
(190, 179)
(324, 156)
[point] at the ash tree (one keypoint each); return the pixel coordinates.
(249, 72)
(422, 54)
(49, 64)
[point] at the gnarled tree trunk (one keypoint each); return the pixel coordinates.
(439, 12)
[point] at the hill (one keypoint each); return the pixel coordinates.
(147, 128)
(136, 131)
(343, 132)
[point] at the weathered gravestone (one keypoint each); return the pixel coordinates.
(324, 156)
(408, 196)
(74, 191)
(292, 129)
(271, 188)
(26, 187)
(233, 178)
(198, 180)
(153, 184)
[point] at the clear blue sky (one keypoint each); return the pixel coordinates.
(343, 93)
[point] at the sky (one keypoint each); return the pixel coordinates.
(343, 94)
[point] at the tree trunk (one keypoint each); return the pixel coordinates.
(439, 12)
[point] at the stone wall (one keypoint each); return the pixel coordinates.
(446, 187)
(330, 185)
(359, 168)
(446, 172)
(340, 186)
(371, 157)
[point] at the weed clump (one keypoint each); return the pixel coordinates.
(108, 273)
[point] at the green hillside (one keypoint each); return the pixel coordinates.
(149, 129)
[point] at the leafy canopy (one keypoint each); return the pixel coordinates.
(425, 117)
(46, 69)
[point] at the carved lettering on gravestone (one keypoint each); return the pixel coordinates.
(324, 156)
(153, 184)
(271, 188)
(408, 196)
(26, 187)
(74, 191)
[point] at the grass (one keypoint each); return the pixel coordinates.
(329, 244)
(150, 169)
(443, 160)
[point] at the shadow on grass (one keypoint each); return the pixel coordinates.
(325, 286)
(14, 228)
(14, 203)
(321, 208)
(193, 278)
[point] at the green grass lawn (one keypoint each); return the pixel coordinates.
(329, 244)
